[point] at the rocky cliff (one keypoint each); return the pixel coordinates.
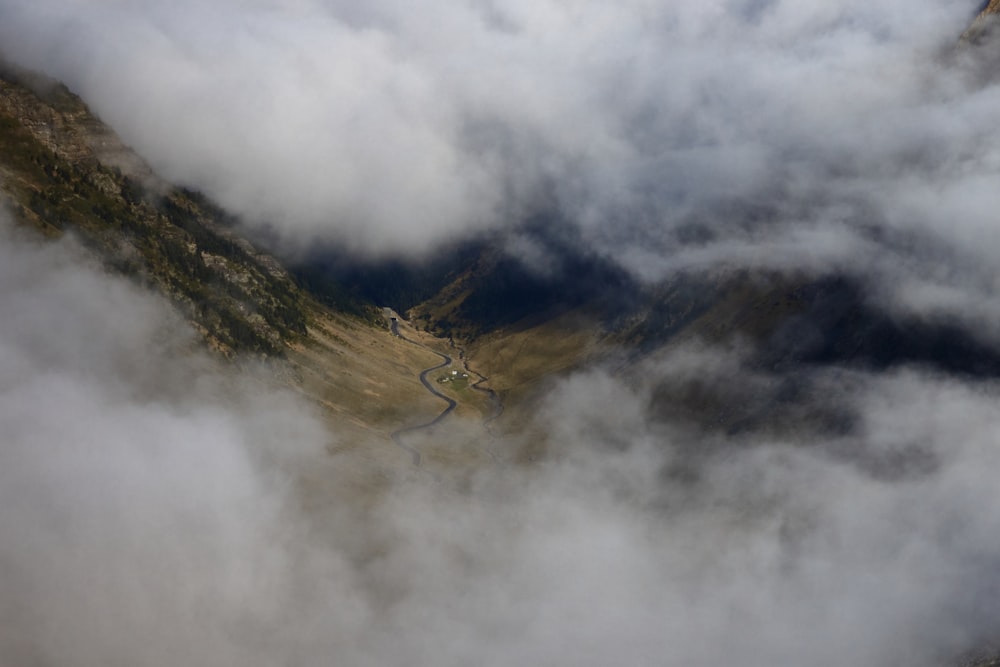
(63, 171)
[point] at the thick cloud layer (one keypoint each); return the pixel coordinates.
(137, 509)
(149, 507)
(392, 129)
(149, 515)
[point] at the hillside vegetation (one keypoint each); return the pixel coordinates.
(63, 171)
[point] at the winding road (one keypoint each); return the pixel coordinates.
(397, 436)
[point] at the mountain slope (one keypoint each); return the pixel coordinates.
(732, 361)
(62, 171)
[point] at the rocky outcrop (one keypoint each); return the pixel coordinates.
(62, 169)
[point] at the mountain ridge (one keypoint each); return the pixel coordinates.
(63, 170)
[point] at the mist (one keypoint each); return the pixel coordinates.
(151, 499)
(152, 513)
(391, 131)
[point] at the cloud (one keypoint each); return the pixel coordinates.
(141, 487)
(392, 130)
(151, 513)
(150, 507)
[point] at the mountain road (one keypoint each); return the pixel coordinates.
(397, 436)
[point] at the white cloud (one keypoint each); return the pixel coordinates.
(148, 508)
(391, 130)
(150, 514)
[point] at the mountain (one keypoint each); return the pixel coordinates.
(62, 171)
(521, 324)
(65, 171)
(684, 404)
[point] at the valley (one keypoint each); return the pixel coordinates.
(684, 351)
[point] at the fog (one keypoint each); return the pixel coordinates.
(150, 498)
(151, 515)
